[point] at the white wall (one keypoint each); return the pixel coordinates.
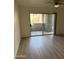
(25, 18)
(16, 29)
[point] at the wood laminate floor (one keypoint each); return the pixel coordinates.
(41, 47)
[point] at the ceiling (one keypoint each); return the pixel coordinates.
(36, 3)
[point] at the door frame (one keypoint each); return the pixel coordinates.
(55, 23)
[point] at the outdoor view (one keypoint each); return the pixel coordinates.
(36, 18)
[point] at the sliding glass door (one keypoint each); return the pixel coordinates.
(49, 23)
(42, 24)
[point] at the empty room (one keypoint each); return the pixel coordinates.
(39, 29)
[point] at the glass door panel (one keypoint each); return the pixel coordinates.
(48, 24)
(36, 24)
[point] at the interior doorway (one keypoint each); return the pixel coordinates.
(42, 24)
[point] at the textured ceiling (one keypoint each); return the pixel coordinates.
(36, 3)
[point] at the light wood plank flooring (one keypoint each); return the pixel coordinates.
(41, 47)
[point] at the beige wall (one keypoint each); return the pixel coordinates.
(24, 23)
(16, 29)
(25, 19)
(60, 20)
